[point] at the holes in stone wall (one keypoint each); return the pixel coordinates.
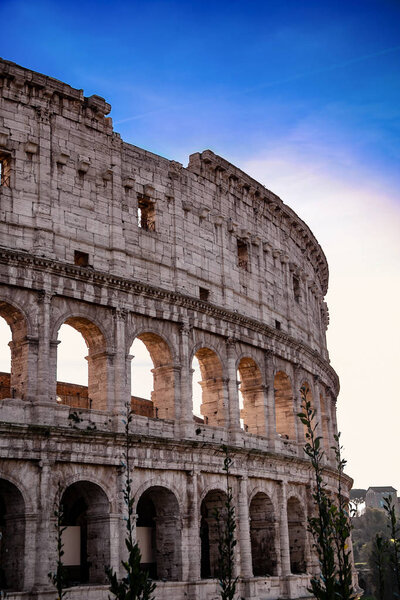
(212, 396)
(87, 537)
(81, 259)
(204, 294)
(297, 536)
(242, 255)
(284, 415)
(146, 214)
(12, 539)
(262, 536)
(158, 532)
(296, 288)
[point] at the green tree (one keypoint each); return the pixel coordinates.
(226, 523)
(136, 585)
(394, 545)
(58, 577)
(330, 526)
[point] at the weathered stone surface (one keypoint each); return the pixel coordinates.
(120, 243)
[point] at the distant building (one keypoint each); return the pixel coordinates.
(374, 497)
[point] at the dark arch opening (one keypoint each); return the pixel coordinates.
(158, 532)
(262, 536)
(12, 538)
(214, 503)
(87, 534)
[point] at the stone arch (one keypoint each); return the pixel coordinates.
(163, 393)
(262, 535)
(297, 535)
(95, 395)
(212, 406)
(159, 533)
(15, 384)
(87, 536)
(252, 391)
(212, 502)
(284, 406)
(12, 539)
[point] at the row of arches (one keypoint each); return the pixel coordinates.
(159, 532)
(83, 364)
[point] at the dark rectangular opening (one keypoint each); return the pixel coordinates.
(296, 288)
(81, 259)
(277, 324)
(204, 294)
(146, 214)
(243, 255)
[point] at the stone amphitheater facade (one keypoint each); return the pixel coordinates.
(120, 243)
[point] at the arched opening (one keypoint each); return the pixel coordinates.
(5, 359)
(152, 374)
(284, 407)
(262, 536)
(297, 536)
(12, 537)
(87, 534)
(14, 359)
(214, 503)
(212, 406)
(158, 533)
(252, 393)
(82, 365)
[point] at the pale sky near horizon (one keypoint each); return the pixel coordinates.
(305, 97)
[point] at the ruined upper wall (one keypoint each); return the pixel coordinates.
(74, 186)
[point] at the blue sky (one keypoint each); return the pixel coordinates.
(304, 96)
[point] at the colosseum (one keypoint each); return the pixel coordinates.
(199, 263)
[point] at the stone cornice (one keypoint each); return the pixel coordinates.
(88, 275)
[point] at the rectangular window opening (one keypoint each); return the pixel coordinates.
(146, 214)
(243, 255)
(5, 170)
(296, 288)
(277, 324)
(81, 259)
(204, 294)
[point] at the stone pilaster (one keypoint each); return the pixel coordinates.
(232, 387)
(246, 570)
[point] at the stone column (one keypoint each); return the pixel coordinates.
(31, 524)
(232, 388)
(284, 530)
(121, 364)
(45, 537)
(298, 380)
(192, 529)
(185, 392)
(246, 569)
(47, 353)
(270, 398)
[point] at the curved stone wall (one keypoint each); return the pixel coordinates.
(200, 261)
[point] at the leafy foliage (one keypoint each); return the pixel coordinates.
(58, 577)
(330, 526)
(394, 545)
(136, 585)
(226, 524)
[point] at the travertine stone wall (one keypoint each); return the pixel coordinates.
(201, 261)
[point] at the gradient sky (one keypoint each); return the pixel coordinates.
(302, 95)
